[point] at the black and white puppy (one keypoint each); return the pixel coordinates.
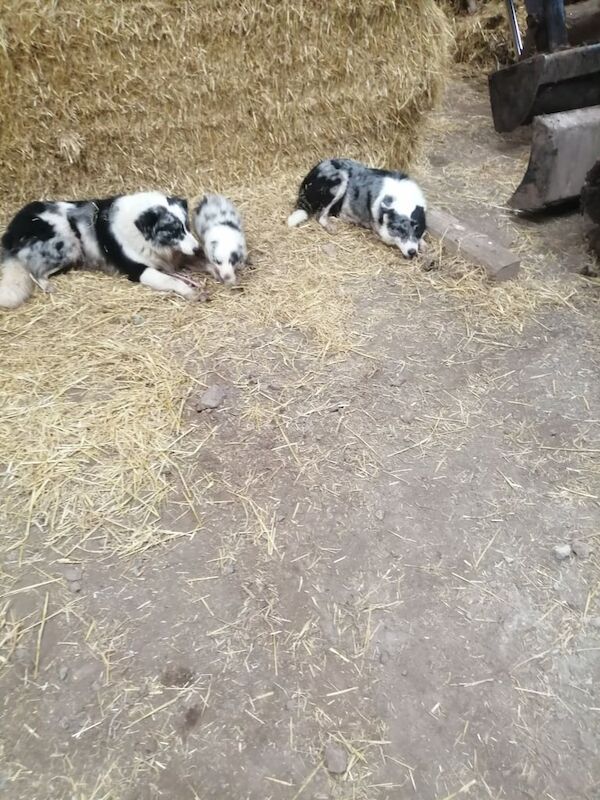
(388, 202)
(142, 236)
(219, 227)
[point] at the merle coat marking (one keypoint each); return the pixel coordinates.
(386, 201)
(220, 230)
(141, 236)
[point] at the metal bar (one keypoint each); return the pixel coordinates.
(514, 27)
(556, 24)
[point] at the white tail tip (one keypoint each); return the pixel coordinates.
(296, 217)
(16, 284)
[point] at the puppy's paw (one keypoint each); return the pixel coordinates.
(46, 286)
(329, 225)
(198, 296)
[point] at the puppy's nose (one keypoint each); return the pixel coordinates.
(412, 253)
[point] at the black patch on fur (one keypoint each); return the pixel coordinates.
(388, 173)
(231, 224)
(236, 257)
(387, 200)
(161, 227)
(335, 209)
(201, 204)
(418, 221)
(26, 227)
(181, 202)
(112, 250)
(147, 221)
(74, 227)
(399, 225)
(317, 191)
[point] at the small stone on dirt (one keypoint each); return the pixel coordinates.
(22, 655)
(581, 549)
(63, 672)
(192, 717)
(336, 759)
(75, 586)
(562, 551)
(211, 398)
(175, 675)
(384, 657)
(379, 514)
(137, 319)
(228, 569)
(430, 263)
(72, 573)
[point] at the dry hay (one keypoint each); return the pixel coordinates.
(482, 40)
(179, 95)
(175, 93)
(94, 436)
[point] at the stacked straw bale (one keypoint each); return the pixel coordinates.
(482, 40)
(103, 96)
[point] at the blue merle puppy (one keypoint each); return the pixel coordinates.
(388, 202)
(219, 227)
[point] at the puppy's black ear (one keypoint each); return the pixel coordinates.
(179, 201)
(383, 215)
(147, 221)
(418, 221)
(201, 204)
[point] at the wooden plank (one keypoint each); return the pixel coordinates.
(475, 246)
(564, 147)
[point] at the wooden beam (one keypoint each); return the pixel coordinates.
(474, 246)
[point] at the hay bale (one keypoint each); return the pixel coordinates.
(482, 39)
(176, 93)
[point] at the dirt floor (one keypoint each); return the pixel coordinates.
(350, 590)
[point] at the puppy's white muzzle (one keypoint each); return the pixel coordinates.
(227, 275)
(409, 249)
(189, 245)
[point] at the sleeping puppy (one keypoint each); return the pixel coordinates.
(388, 202)
(142, 236)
